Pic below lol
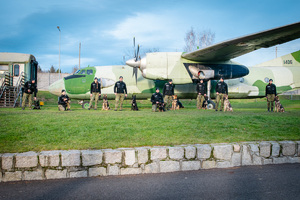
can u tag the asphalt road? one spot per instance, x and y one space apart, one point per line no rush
251 182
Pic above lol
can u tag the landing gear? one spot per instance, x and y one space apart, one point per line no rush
85 104
211 104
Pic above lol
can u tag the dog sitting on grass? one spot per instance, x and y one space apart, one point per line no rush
175 105
227 104
105 105
134 105
205 103
37 105
278 105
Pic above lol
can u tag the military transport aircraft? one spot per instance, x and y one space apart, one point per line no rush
285 71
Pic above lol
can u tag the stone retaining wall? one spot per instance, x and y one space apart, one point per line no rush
124 161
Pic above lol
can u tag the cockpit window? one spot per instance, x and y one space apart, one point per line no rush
77 71
82 72
89 72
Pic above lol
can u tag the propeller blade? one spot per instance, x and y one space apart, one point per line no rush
134 47
137 53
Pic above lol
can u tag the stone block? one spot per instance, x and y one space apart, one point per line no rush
112 156
129 157
203 151
56 174
280 160
223 152
97 171
169 166
236 148
126 171
12 176
78 174
265 149
151 168
208 164
257 160
298 151
113 170
158 153
288 148
223 164
142 155
70 158
176 153
275 149
254 148
190 152
191 165
33 175
91 157
267 161
293 160
246 156
49 158
26 160
236 159
7 161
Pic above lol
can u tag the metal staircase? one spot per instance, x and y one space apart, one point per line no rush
10 95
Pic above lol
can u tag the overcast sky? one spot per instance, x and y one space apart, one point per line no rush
106 28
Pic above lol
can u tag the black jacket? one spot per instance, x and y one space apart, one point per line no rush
168 89
201 88
221 87
30 86
271 89
157 97
95 87
61 100
120 88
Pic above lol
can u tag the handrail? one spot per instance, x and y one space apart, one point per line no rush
3 86
18 88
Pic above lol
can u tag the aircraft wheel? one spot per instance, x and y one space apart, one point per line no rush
85 104
211 105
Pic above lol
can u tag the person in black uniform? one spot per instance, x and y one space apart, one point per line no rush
156 99
221 90
201 93
120 91
95 93
271 94
29 89
64 101
168 92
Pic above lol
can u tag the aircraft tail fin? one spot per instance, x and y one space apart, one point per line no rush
289 60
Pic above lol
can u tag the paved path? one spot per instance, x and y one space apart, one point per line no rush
251 182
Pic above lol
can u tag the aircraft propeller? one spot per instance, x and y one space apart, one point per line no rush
135 62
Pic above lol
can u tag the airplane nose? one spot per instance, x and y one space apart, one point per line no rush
56 87
133 63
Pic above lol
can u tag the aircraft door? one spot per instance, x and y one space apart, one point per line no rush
17 71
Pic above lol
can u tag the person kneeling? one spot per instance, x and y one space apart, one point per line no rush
64 101
157 101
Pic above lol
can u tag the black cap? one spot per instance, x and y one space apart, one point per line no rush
270 80
201 79
222 78
157 88
63 91
120 77
170 80
95 78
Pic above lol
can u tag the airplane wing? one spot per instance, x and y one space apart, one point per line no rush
233 48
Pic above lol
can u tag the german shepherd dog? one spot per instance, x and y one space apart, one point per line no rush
105 105
134 105
161 107
278 105
227 104
175 105
36 105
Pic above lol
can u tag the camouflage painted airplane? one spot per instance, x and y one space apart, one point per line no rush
285 71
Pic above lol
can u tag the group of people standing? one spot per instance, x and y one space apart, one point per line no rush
157 99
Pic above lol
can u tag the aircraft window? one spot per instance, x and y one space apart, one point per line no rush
16 70
242 80
89 72
267 80
82 72
77 71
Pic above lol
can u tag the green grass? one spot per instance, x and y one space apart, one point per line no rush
49 129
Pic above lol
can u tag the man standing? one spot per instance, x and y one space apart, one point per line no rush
120 91
270 94
168 92
95 93
156 99
201 93
29 89
221 90
64 101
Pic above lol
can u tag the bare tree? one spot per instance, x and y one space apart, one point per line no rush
194 40
39 69
74 69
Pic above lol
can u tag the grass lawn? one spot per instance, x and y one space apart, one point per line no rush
49 129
